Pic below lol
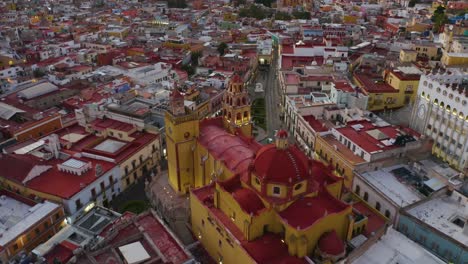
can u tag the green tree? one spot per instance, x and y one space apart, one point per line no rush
412 3
439 18
189 69
301 14
177 4
282 16
194 58
222 48
37 73
265 2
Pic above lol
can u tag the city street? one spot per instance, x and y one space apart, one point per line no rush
269 80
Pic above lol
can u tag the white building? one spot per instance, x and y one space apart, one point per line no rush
150 74
441 112
383 190
394 247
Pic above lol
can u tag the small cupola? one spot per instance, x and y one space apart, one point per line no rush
281 139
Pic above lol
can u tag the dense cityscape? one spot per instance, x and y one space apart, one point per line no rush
233 131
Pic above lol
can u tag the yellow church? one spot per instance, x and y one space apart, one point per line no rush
253 203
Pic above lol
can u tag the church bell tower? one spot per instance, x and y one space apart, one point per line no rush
236 107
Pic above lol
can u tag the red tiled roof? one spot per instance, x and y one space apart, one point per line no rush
288 62
247 198
16 167
59 252
315 124
235 151
270 249
304 212
331 244
343 86
285 166
101 124
373 85
368 142
374 221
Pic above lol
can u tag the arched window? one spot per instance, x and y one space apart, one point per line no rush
366 196
442 104
377 206
387 213
436 101
358 189
239 116
244 101
229 115
238 102
246 114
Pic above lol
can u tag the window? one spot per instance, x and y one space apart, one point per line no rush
15 247
358 189
37 231
387 213
57 216
257 181
78 204
366 196
276 190
46 225
298 186
459 222
93 193
377 206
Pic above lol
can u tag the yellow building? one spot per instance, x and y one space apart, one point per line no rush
332 152
408 55
182 131
252 203
430 51
406 81
395 90
454 59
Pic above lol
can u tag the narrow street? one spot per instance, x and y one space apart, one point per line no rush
269 80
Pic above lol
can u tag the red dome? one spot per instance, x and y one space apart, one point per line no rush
282 134
284 166
331 244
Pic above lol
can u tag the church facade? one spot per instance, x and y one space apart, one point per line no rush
253 203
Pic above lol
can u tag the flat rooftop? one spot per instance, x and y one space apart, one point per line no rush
110 146
394 247
18 214
447 214
396 190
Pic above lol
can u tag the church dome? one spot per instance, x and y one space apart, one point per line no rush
285 166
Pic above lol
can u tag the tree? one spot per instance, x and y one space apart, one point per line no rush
301 14
188 69
37 73
265 2
177 4
412 3
194 58
439 18
222 48
282 16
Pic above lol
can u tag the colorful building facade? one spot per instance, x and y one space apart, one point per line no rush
257 204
